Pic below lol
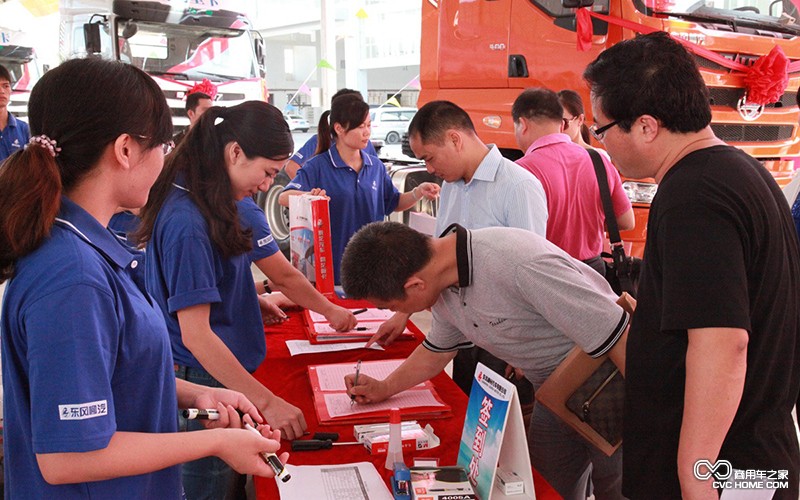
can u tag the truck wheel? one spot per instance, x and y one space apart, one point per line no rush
392 138
276 214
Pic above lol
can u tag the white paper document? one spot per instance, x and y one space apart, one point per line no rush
358 481
371 314
297 347
331 377
339 404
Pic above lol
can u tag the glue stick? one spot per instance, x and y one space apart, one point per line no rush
395 453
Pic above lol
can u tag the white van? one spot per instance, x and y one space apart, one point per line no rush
389 123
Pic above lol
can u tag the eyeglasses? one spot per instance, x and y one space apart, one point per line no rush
600 133
167 147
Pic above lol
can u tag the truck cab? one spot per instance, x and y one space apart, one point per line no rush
20 60
482 54
178 43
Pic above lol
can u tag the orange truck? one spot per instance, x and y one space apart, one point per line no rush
481 53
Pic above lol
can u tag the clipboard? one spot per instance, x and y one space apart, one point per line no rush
331 398
319 332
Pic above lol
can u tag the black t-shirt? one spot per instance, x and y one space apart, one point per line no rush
721 251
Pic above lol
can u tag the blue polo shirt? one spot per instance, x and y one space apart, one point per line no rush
252 217
14 137
184 268
306 152
85 347
356 198
124 224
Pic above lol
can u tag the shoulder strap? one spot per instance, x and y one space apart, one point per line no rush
605 195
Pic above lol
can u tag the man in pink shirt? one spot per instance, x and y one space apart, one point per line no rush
576 220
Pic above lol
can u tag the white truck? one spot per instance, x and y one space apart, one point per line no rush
177 42
19 58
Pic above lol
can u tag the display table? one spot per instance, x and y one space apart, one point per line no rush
287 377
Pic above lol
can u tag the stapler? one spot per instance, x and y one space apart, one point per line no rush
401 482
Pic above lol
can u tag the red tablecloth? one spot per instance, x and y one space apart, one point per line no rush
287 377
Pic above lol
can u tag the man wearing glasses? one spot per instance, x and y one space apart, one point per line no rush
713 354
565 169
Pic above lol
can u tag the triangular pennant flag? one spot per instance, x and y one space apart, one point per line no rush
414 83
324 64
361 14
304 89
393 101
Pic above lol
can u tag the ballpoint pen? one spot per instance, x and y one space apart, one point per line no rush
359 311
355 382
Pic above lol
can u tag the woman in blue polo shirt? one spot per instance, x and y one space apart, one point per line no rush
89 392
358 185
198 263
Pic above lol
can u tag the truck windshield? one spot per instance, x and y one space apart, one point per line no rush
775 15
184 52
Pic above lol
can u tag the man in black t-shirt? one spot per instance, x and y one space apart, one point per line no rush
713 355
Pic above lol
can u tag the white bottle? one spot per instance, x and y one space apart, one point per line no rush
395 451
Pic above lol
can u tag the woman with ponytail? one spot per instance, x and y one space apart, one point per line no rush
198 264
358 185
89 392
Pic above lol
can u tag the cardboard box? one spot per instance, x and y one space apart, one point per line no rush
509 482
413 439
438 483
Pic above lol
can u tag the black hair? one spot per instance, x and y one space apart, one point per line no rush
571 101
380 258
537 103
84 105
259 129
435 118
5 74
193 100
346 91
650 75
348 110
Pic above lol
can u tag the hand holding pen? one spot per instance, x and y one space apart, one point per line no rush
355 382
227 407
366 389
270 458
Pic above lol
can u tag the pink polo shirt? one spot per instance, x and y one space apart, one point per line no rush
575 219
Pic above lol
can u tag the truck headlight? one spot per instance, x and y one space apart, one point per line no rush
640 192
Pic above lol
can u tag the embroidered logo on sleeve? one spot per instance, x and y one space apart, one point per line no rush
266 240
83 411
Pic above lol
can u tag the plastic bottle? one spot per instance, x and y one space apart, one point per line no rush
395 453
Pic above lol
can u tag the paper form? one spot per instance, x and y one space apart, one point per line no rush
358 481
371 314
297 347
331 377
339 404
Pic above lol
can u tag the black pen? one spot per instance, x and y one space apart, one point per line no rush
208 414
361 329
272 460
355 382
359 311
195 414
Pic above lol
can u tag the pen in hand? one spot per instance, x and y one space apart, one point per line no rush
359 311
355 382
272 460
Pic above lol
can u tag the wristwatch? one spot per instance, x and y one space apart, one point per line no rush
267 289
